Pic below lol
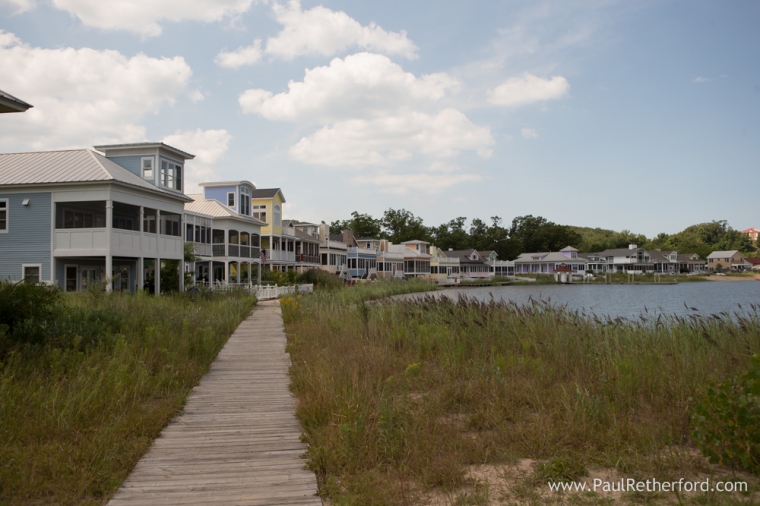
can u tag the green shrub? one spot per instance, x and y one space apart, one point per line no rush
320 279
26 309
727 421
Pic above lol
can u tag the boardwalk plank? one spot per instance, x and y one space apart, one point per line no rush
237 441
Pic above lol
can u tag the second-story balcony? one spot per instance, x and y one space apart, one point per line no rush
278 255
308 259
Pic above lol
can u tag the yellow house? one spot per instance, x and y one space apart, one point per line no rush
442 267
278 241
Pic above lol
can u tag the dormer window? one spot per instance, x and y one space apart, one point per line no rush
245 201
230 199
147 168
171 175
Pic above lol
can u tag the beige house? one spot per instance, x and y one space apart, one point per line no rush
443 268
730 260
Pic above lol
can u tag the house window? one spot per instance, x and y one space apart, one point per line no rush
170 224
245 201
126 216
171 175
230 199
31 273
149 220
3 216
277 216
80 214
260 212
147 168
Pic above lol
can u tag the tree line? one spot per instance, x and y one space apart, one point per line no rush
534 233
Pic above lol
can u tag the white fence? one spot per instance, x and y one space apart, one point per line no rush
275 292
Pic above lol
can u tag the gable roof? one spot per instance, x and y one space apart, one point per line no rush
487 253
750 230
463 255
306 237
617 252
9 103
267 193
753 261
723 254
71 166
216 209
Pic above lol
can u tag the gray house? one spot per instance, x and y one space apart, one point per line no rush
71 217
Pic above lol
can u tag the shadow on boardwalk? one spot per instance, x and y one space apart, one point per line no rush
237 441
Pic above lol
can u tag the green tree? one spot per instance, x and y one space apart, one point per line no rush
362 225
401 225
534 233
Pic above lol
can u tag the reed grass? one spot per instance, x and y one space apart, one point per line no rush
398 398
75 417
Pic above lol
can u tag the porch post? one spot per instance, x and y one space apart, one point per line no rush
226 272
109 233
109 272
258 273
181 268
140 270
157 277
237 272
211 274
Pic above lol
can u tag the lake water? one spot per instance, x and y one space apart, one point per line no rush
628 300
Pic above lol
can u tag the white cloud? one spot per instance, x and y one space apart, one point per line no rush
83 97
423 182
362 85
17 6
195 95
143 16
529 133
208 146
702 79
241 56
389 139
325 32
527 89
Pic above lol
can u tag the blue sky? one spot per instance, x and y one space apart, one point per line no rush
623 115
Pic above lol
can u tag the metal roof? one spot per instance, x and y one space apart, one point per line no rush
723 254
227 183
216 209
172 149
9 103
70 166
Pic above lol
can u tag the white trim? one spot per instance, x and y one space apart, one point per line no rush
7 216
24 266
76 278
227 203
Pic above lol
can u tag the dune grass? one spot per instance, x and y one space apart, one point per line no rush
398 398
76 414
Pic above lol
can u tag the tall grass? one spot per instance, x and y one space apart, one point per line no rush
399 397
77 414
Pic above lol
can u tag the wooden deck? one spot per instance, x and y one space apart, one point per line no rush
237 441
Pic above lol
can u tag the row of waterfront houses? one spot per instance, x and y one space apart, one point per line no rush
72 217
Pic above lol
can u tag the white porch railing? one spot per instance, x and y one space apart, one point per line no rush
262 292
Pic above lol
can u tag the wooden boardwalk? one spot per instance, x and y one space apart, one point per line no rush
237 441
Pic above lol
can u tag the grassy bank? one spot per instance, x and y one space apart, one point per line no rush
81 402
400 401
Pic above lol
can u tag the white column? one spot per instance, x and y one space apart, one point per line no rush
258 273
140 268
109 271
211 273
226 272
109 233
237 272
157 277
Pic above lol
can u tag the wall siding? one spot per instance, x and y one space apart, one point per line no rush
131 163
219 193
28 237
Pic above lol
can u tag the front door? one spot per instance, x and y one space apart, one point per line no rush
121 278
87 275
71 278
